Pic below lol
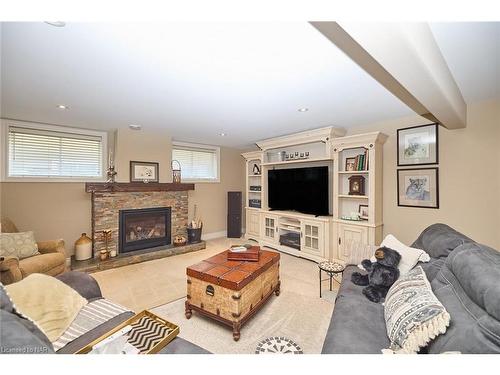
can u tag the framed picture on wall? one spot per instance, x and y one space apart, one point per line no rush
418 145
418 187
142 171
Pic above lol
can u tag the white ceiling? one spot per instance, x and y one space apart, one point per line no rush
472 52
196 80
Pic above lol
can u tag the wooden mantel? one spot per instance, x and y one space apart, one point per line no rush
103 187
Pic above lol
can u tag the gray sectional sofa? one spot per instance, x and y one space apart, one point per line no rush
20 336
465 277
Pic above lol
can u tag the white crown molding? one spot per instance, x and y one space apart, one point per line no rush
309 136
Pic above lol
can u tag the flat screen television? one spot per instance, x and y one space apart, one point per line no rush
299 189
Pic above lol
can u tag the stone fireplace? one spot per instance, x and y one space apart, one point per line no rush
144 228
140 216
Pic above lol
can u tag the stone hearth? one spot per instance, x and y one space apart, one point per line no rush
94 265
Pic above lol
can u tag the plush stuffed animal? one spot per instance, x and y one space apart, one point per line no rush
381 274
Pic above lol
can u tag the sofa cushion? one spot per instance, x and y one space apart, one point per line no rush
467 285
439 240
413 314
357 324
19 335
180 346
47 301
20 245
49 264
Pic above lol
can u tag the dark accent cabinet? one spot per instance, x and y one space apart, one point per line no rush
234 204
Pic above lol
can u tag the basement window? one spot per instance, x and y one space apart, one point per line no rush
199 163
53 153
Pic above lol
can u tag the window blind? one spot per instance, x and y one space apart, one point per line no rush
42 153
196 163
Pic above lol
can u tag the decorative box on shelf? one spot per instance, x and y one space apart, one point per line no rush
256 203
255 188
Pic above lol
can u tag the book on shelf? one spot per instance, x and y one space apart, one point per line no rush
361 162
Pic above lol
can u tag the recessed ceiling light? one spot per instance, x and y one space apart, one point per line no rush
303 109
62 106
135 127
222 134
56 23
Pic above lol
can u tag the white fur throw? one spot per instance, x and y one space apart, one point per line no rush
413 314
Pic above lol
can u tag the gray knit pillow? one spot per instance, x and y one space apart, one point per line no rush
413 314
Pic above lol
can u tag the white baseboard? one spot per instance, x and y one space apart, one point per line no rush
211 236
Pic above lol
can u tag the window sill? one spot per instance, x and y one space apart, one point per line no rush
195 181
44 179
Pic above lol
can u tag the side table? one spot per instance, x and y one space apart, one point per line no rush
331 268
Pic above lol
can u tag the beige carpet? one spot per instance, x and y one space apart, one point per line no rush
160 286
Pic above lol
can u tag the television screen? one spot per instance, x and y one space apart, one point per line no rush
299 189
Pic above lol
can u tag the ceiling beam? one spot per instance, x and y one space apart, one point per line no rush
405 59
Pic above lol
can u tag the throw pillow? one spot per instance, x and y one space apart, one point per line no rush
20 245
50 303
409 255
413 314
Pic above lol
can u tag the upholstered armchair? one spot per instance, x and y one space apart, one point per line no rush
51 260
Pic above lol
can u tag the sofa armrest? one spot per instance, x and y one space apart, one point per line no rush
84 284
9 270
55 246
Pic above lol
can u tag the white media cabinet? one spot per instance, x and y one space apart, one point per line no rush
321 237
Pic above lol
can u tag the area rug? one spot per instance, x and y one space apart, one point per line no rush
302 319
151 284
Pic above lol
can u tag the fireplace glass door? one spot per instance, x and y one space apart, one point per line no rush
144 228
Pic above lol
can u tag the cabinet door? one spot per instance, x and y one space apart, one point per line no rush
269 228
253 223
350 233
312 237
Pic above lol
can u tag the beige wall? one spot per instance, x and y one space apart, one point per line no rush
211 198
142 146
51 209
469 178
63 210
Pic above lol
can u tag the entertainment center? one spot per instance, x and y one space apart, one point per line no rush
304 192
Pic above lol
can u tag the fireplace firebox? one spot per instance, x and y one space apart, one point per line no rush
144 228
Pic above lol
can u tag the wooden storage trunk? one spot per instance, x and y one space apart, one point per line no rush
232 291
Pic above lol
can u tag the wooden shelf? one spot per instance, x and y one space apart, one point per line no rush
297 161
343 196
354 172
252 208
254 175
290 229
104 187
255 191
